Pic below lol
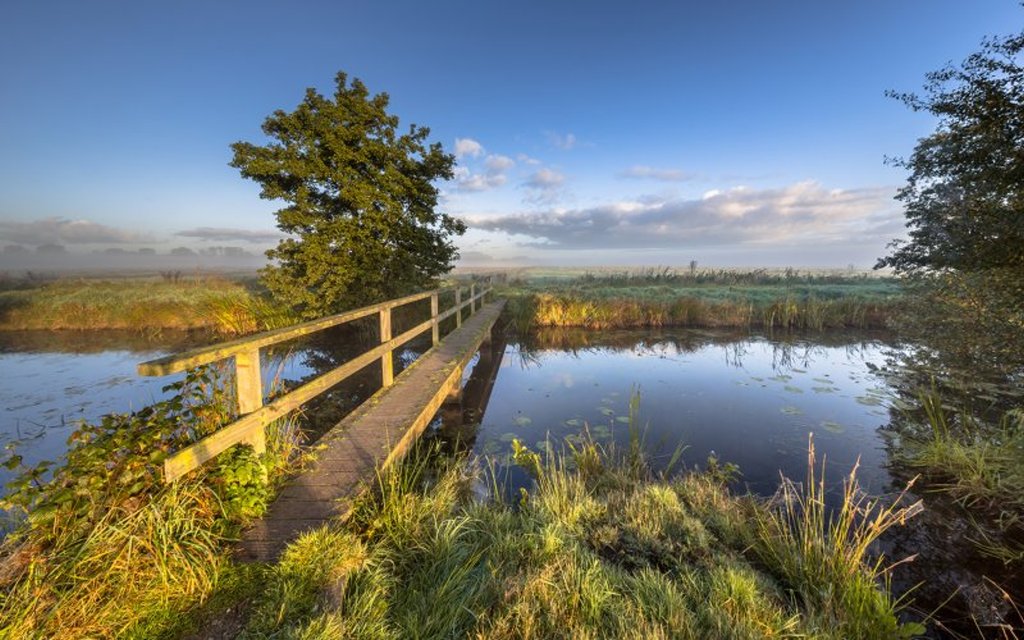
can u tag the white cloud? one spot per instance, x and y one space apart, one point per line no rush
545 179
665 175
499 163
480 181
565 142
493 176
468 147
525 159
802 214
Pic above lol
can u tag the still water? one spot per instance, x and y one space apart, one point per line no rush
750 400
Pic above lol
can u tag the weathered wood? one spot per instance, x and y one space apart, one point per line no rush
435 333
191 457
373 436
387 362
458 307
472 298
250 428
248 381
205 355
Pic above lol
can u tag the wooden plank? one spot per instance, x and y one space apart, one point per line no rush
373 436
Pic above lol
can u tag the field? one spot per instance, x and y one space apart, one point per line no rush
760 298
220 303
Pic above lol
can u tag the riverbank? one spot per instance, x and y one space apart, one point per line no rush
182 303
597 547
707 299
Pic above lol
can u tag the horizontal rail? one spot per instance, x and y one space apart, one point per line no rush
249 428
205 355
189 458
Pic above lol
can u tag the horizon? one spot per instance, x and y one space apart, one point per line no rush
732 135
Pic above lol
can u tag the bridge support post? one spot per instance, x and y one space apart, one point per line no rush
472 298
458 306
249 392
386 362
434 331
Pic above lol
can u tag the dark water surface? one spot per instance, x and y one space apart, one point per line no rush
749 400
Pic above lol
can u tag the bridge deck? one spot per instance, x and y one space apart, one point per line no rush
376 433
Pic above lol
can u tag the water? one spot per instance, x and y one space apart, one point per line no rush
751 401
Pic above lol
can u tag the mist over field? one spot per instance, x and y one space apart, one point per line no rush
17 264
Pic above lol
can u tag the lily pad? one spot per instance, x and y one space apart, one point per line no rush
574 422
508 437
790 410
870 401
832 427
606 411
781 378
823 380
824 389
790 388
622 419
523 421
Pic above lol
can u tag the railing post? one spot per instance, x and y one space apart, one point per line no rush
458 306
472 298
249 391
386 363
434 331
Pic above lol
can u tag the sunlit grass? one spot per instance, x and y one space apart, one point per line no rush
597 548
210 303
703 299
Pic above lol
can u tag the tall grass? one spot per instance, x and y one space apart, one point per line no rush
205 302
823 556
703 299
598 547
980 465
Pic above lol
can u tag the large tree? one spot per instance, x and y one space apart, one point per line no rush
964 198
361 200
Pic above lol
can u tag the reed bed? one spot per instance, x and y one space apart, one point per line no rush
659 298
206 303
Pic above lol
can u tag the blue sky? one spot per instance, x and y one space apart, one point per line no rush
735 133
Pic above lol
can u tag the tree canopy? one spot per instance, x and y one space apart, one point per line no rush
361 201
964 198
964 202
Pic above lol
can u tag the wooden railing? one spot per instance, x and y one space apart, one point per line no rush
249 428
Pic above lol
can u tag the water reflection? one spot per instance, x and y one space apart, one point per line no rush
749 400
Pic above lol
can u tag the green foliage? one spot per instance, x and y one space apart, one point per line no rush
117 459
964 203
141 304
360 200
105 547
980 465
965 194
243 483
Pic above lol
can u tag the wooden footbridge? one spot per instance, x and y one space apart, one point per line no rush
375 434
